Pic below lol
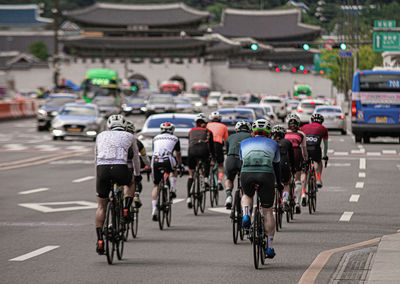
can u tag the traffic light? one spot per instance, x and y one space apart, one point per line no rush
343 46
254 46
294 70
277 69
306 46
301 67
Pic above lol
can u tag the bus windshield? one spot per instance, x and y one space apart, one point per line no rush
380 83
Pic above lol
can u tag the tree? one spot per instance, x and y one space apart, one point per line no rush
39 49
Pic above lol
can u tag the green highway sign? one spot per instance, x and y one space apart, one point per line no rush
384 23
386 41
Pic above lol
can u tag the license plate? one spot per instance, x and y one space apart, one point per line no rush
381 119
73 129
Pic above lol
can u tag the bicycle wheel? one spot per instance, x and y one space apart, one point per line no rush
168 207
255 238
202 195
314 194
276 209
261 241
235 221
108 231
120 233
212 188
292 202
280 209
309 193
134 221
216 192
240 213
160 205
195 193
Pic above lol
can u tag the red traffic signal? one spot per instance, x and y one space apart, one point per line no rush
294 70
277 69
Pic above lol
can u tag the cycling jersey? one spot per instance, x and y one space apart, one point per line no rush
219 131
233 143
298 140
163 147
201 145
315 132
287 158
258 154
142 151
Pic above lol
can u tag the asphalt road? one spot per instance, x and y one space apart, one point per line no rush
195 249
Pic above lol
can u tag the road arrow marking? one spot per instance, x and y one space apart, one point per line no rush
46 207
33 190
346 216
34 253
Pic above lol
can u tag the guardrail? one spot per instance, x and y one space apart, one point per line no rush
17 108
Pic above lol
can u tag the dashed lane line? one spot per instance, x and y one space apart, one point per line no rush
362 175
34 253
52 207
374 153
83 179
33 190
363 163
346 216
177 200
220 210
361 151
389 152
360 184
354 198
341 153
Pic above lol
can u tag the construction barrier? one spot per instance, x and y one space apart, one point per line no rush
17 108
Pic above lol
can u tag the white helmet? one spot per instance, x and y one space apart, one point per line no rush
167 127
130 127
243 125
215 116
200 116
116 122
262 125
293 118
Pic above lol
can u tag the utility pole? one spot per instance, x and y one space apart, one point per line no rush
56 12
356 59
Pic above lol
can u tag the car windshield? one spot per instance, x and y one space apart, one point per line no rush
137 100
179 122
181 101
276 101
194 99
257 110
310 105
104 101
268 109
232 99
78 111
161 100
328 110
59 101
238 114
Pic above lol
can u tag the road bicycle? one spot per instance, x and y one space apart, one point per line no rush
164 201
198 192
214 193
278 208
237 215
311 187
291 202
133 220
114 227
257 234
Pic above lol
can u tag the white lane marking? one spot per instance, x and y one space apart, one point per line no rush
346 216
15 147
389 152
330 151
47 147
72 162
362 175
34 253
341 153
363 163
33 190
177 200
354 198
220 210
361 151
341 140
360 146
373 153
46 207
360 184
83 179
338 165
78 148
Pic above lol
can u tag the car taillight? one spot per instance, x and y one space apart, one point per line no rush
299 110
353 109
342 116
282 107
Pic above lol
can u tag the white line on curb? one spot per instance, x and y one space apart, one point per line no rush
361 151
83 179
374 153
34 253
363 164
354 198
362 175
346 216
360 184
33 190
341 153
389 152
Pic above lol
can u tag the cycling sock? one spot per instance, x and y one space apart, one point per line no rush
128 202
154 204
228 192
270 239
246 210
99 232
318 176
220 177
189 186
303 191
173 183
297 191
285 195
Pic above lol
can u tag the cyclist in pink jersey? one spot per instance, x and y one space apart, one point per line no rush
298 140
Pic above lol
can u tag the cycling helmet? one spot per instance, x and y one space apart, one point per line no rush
317 117
261 125
293 119
215 116
130 127
243 125
167 127
279 131
116 122
199 117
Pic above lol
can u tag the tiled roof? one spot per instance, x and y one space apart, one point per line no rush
21 15
105 14
265 25
21 41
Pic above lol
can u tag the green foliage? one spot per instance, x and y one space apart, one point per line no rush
39 49
368 58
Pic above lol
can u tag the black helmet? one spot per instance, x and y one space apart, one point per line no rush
318 118
278 131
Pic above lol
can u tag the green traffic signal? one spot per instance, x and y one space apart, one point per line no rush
254 46
343 46
301 67
306 46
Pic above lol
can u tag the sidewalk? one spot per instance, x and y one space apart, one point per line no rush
386 264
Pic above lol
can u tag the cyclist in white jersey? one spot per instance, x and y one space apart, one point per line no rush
164 145
111 154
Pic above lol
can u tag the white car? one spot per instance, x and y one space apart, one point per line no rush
228 100
278 104
196 101
213 98
306 108
334 118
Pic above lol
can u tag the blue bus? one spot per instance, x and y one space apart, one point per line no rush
375 109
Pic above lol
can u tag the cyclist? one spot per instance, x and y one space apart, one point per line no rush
232 163
315 132
286 149
298 139
260 158
111 155
164 145
200 148
144 160
220 135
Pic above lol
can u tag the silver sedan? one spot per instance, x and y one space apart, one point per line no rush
334 118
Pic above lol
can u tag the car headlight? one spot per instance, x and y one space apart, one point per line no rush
54 113
57 124
91 133
42 112
144 109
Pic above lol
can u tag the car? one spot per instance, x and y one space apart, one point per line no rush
278 104
197 102
306 108
334 118
261 113
134 105
249 99
228 100
107 105
230 116
183 104
50 109
78 120
291 105
270 113
183 124
160 103
213 98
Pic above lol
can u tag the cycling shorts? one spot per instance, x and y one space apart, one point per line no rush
219 152
232 167
298 159
198 152
107 175
266 182
285 171
315 153
159 164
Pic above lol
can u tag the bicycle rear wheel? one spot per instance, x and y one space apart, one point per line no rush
235 220
134 221
276 209
280 208
108 231
212 188
195 194
160 205
168 207
314 195
202 195
255 238
309 194
261 241
120 232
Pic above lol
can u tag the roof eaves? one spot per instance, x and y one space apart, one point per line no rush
81 11
260 12
19 7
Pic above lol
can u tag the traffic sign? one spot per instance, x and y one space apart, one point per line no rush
345 54
386 41
384 24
